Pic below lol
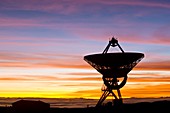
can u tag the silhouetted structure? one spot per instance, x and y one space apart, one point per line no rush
142 107
24 106
114 67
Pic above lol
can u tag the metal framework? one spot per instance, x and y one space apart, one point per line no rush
114 76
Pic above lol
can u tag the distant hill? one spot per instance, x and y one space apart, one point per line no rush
140 107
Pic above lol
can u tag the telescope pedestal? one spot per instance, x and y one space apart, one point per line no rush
109 85
106 93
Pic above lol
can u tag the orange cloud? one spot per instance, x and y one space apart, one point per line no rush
159 90
64 61
95 93
97 79
83 85
84 74
147 91
150 79
31 78
13 79
14 64
160 65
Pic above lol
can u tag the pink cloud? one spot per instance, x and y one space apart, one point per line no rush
162 35
14 41
74 6
102 33
136 3
40 60
13 22
124 37
58 6
33 22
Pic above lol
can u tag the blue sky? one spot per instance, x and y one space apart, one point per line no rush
43 42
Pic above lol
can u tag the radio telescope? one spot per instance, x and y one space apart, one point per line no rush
114 68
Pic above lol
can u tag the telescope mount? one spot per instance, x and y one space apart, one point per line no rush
114 68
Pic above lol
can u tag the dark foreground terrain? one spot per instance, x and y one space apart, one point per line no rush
143 107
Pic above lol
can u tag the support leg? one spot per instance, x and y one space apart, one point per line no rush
102 98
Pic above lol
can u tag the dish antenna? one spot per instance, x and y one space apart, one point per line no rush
114 68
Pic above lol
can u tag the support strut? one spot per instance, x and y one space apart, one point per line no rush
111 84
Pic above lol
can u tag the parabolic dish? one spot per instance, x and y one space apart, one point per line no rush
117 64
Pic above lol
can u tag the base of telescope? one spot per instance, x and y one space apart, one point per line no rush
107 92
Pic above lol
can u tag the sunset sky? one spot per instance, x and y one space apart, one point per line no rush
43 42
